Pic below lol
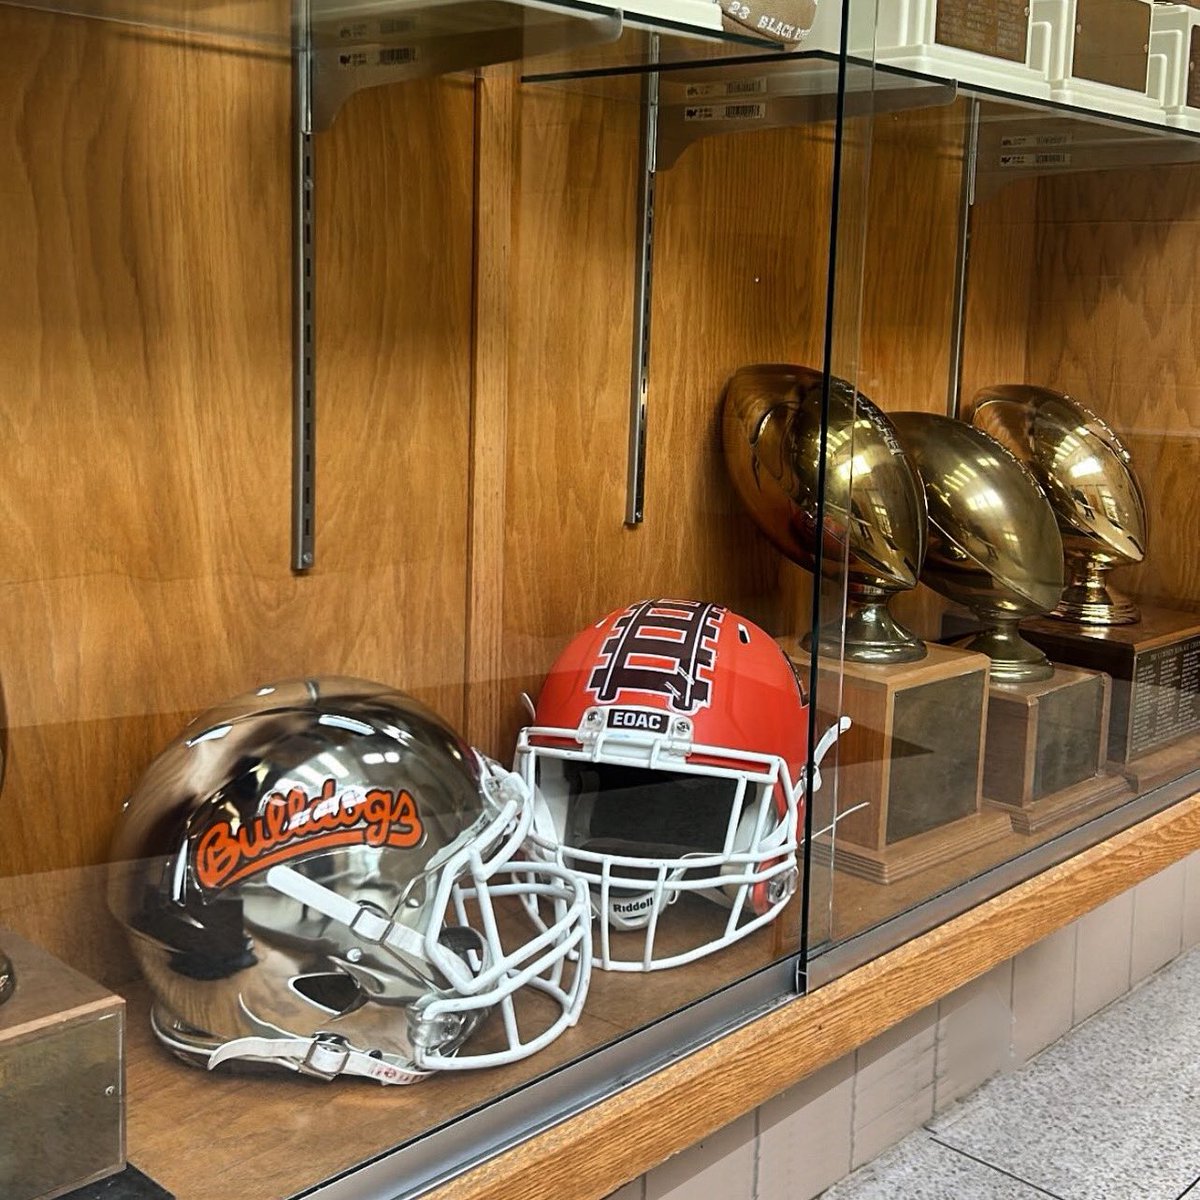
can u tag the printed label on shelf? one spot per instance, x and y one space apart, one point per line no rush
1035 160
1035 139
389 56
725 112
360 31
732 87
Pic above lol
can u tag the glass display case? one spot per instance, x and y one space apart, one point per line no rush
539 531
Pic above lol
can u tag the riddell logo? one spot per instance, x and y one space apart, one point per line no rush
298 823
631 908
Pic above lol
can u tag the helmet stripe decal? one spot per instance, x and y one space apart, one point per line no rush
662 647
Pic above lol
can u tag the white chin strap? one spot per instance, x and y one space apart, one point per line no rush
321 1057
325 1056
365 923
830 736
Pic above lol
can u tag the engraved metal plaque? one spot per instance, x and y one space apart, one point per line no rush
1193 80
1164 700
1155 668
1112 43
999 29
936 735
1068 737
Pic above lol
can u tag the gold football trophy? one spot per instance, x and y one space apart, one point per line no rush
1087 474
874 522
994 545
910 766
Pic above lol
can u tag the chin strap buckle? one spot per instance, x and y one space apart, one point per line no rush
322 1056
327 1057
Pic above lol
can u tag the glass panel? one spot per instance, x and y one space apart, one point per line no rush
1026 251
318 877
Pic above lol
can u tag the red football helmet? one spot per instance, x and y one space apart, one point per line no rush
667 757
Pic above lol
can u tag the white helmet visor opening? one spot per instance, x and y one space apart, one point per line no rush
716 844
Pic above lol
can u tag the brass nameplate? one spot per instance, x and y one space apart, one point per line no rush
1112 43
999 29
1164 702
1193 86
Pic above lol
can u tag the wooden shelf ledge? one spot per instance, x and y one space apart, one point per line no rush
592 1154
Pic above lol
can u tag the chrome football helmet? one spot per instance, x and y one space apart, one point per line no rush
325 877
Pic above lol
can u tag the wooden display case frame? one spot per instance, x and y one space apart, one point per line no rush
713 1085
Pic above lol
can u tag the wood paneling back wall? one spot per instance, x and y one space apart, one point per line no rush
145 382
475 262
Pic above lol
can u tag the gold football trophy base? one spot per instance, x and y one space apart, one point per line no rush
1046 750
1013 659
8 979
910 767
1088 600
1155 668
870 635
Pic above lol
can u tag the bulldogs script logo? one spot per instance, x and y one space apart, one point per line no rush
298 823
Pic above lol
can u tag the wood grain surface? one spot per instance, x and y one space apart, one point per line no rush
727 290
999 291
145 375
495 131
1113 319
474 292
908 289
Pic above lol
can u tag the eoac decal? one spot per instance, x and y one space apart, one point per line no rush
665 648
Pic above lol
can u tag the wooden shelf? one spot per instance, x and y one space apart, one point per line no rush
673 1109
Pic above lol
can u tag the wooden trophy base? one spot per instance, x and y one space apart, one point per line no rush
1047 743
918 853
61 1078
1155 668
1161 766
910 766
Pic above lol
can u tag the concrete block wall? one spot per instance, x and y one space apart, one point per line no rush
805 1140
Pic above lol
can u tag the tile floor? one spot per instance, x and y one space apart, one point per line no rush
1109 1112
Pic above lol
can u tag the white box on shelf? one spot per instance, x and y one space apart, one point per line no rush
1175 36
701 15
1101 58
999 45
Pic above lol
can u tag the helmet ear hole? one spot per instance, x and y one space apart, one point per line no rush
467 944
330 991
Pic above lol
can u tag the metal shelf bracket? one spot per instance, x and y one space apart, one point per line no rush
303 303
639 375
966 206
